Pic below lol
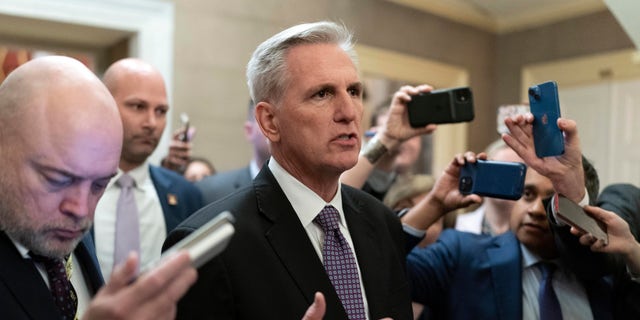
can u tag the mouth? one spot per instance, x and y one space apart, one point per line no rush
68 234
534 227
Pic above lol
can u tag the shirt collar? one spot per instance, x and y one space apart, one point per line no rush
140 175
306 203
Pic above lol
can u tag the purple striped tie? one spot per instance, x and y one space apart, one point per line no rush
340 264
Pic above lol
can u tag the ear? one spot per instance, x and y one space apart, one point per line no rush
268 121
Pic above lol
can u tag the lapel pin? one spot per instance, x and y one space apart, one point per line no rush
172 199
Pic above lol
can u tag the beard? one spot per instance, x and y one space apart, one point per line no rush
40 239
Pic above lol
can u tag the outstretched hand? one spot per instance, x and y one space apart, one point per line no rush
445 195
564 171
397 128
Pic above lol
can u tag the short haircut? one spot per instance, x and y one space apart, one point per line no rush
267 69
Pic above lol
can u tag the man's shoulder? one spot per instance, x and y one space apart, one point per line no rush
225 176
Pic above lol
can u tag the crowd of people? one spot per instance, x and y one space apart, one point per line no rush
328 224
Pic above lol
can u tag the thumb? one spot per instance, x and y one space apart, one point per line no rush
317 309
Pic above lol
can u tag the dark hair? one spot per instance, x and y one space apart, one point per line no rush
591 180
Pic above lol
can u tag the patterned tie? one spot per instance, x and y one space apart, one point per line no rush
61 289
547 299
340 263
127 237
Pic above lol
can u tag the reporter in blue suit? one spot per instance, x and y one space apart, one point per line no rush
465 275
163 198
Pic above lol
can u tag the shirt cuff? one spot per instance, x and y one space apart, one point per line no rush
413 231
633 276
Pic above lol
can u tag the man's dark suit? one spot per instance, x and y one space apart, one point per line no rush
23 292
221 184
270 270
469 276
178 197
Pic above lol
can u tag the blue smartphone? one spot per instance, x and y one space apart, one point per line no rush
545 107
495 179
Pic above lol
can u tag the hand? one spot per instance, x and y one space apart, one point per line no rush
152 296
316 309
565 171
179 151
621 240
445 195
397 128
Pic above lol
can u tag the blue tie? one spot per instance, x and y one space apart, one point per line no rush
340 264
547 298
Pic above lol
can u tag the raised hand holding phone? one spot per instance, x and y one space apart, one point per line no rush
545 107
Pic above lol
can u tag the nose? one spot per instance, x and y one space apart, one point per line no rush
348 108
150 121
76 202
537 209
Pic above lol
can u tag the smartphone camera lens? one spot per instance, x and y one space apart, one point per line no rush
465 184
463 96
534 92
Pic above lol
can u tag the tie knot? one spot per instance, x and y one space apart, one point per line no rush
47 261
125 181
328 218
547 269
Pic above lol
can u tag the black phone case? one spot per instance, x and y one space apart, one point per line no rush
441 106
495 179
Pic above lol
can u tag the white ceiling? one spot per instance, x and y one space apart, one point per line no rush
503 16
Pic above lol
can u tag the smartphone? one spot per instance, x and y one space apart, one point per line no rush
572 214
184 136
495 179
205 242
545 107
441 106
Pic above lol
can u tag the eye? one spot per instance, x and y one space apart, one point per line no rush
323 93
355 92
528 195
59 182
161 111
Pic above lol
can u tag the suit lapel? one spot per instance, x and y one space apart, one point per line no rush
506 276
163 185
85 253
25 283
292 246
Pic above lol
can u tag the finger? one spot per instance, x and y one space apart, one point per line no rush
123 274
175 268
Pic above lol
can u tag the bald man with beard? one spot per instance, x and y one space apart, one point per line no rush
60 142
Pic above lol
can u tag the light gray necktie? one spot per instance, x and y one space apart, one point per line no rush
127 237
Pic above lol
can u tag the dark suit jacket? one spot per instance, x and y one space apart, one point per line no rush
469 276
23 292
221 184
623 199
270 269
172 186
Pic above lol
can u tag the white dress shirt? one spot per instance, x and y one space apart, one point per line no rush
153 230
307 205
572 296
77 279
471 221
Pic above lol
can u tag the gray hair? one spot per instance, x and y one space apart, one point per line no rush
266 71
